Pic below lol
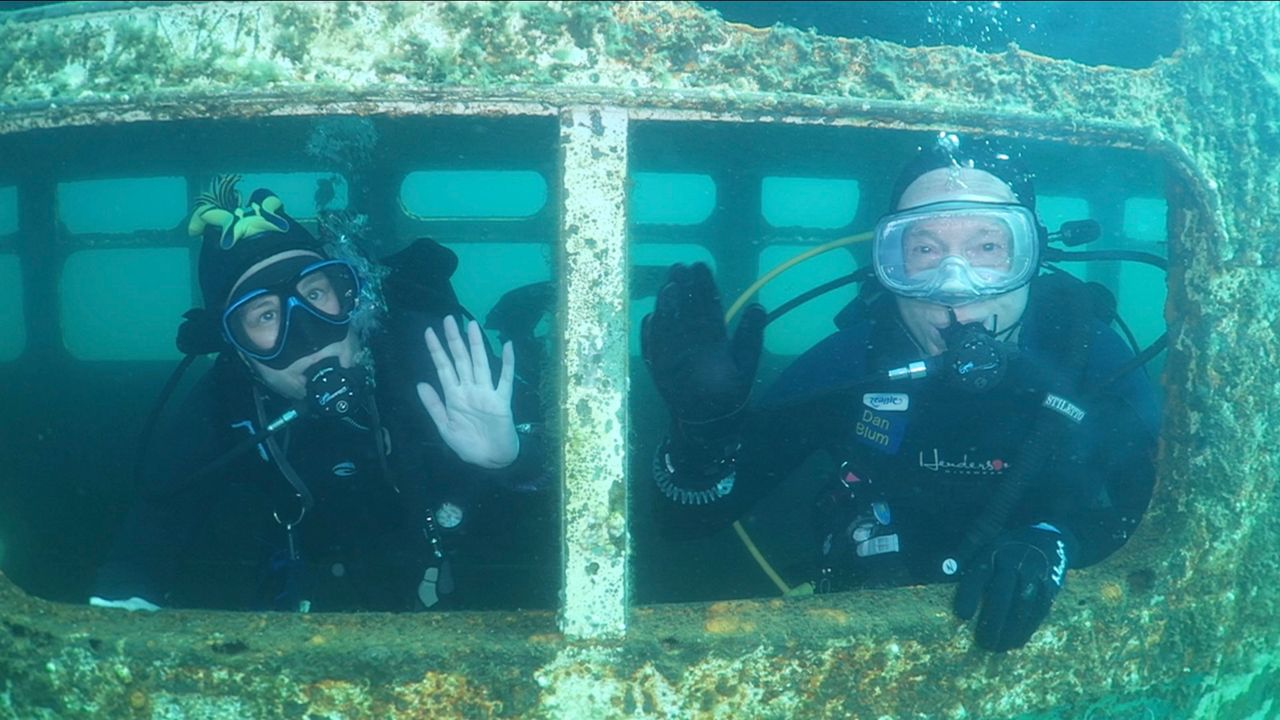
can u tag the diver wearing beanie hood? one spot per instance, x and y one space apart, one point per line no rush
277 296
365 487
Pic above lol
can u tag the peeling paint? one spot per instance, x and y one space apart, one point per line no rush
594 308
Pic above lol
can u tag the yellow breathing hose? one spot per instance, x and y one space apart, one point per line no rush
738 304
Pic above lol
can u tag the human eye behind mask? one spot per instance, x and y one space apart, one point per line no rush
257 322
283 321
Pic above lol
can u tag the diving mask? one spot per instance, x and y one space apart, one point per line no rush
292 309
956 252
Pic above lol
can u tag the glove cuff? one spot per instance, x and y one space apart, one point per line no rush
1068 538
1054 545
693 480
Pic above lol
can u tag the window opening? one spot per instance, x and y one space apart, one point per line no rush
445 194
13 323
8 210
671 198
121 304
122 205
820 203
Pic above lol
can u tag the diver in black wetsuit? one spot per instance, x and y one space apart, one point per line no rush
353 453
970 405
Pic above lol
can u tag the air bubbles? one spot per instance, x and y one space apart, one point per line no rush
949 143
984 26
347 143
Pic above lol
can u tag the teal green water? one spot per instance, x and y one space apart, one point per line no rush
1121 34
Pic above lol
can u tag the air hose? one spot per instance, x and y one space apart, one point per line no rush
738 304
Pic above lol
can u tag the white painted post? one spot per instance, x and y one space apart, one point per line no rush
593 313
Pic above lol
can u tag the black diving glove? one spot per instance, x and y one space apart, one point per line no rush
1015 579
704 377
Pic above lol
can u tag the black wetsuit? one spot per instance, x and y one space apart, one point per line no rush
362 543
914 463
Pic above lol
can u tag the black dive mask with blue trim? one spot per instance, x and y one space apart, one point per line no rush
291 309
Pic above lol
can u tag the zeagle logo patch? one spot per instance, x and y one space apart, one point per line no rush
891 402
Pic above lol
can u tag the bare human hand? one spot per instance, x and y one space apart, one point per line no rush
473 416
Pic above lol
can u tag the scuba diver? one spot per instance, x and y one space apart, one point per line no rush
352 436
985 426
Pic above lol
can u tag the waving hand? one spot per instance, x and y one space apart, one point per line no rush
473 416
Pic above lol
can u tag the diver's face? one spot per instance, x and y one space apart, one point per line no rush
261 320
980 242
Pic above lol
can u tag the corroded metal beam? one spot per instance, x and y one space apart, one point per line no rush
863 655
211 58
593 279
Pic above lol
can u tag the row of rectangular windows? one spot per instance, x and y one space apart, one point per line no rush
101 323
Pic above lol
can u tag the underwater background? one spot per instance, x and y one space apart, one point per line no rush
87 322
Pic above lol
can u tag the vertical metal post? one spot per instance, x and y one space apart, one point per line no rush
593 312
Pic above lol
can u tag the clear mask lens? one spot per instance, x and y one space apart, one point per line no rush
956 252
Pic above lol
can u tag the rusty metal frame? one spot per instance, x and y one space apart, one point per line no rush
1184 624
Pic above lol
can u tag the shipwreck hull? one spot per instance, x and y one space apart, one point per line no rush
1181 623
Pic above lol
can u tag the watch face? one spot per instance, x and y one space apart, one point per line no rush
448 515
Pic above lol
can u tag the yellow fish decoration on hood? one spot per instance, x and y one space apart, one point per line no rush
220 206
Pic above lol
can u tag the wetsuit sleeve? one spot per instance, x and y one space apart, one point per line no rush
1103 481
702 489
169 508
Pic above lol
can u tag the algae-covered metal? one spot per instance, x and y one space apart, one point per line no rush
1180 623
594 240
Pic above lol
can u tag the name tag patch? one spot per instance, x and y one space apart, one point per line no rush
880 431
